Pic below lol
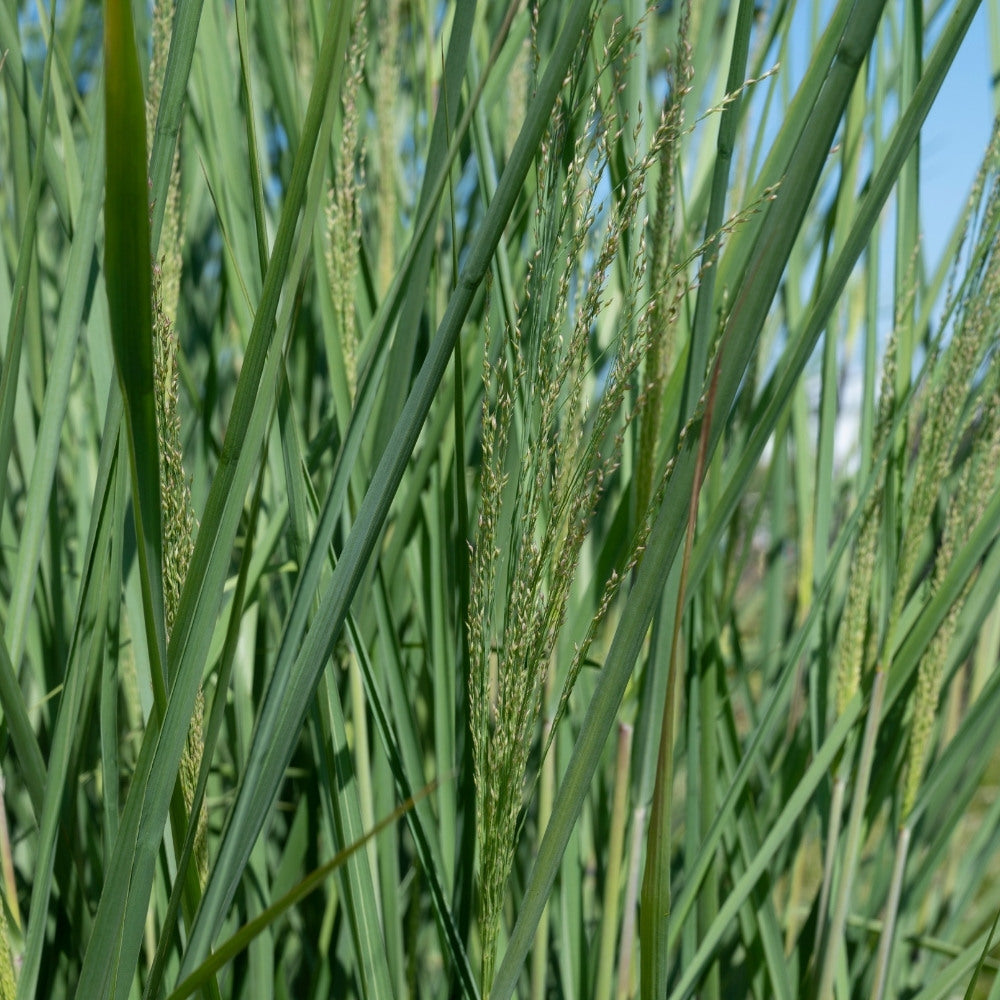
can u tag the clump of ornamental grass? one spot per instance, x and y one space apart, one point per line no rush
343 208
975 485
945 420
557 431
944 417
949 422
949 426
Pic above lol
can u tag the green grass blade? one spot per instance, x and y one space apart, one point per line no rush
226 951
128 280
400 365
796 802
59 775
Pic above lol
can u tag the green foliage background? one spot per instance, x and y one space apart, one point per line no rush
427 570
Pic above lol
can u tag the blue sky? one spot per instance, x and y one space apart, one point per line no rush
956 131
955 135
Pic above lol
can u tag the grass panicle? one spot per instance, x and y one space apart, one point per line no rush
343 209
387 84
970 348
